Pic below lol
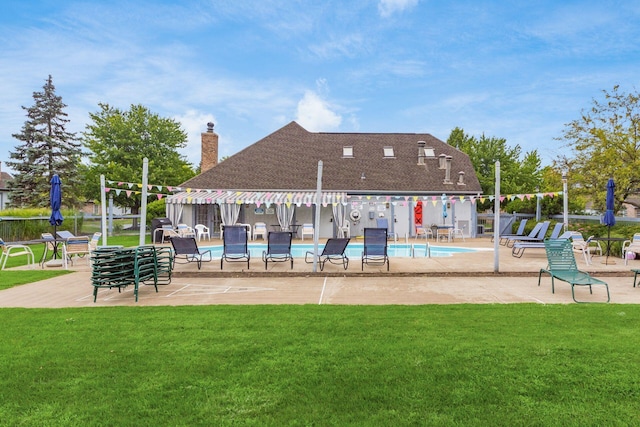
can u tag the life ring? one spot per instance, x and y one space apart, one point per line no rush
354 215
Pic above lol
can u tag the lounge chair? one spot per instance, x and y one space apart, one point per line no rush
308 230
585 246
95 239
562 266
235 247
185 231
278 248
504 239
64 234
537 234
384 223
375 247
187 247
333 251
10 250
519 247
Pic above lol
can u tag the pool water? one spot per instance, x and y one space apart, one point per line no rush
354 250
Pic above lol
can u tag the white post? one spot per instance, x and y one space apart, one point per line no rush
565 200
143 204
316 227
496 222
103 209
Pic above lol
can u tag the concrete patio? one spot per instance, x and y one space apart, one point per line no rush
461 278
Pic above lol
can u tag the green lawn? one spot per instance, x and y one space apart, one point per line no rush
470 365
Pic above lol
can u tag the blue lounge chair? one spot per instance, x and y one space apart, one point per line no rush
235 248
333 252
504 239
536 235
375 247
278 248
520 246
384 223
187 247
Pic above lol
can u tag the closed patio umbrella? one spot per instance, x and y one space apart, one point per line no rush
55 200
609 218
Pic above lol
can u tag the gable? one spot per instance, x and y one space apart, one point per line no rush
288 160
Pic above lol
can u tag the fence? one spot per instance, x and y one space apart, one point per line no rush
14 229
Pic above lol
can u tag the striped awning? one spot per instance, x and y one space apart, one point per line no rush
258 198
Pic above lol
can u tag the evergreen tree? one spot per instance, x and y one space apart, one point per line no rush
47 149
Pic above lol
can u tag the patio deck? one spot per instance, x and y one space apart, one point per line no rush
461 278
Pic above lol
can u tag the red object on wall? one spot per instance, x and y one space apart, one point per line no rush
417 213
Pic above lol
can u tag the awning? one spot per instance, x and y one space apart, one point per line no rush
257 198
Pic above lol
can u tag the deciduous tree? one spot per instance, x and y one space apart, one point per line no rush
605 142
118 141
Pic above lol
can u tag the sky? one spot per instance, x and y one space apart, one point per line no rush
517 70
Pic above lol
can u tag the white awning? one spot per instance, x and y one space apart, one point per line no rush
258 198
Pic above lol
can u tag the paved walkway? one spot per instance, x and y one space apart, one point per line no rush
461 278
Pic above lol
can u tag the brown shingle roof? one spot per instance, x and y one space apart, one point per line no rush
288 159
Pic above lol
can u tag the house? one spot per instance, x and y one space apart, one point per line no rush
4 188
365 176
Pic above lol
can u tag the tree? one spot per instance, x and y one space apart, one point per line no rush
47 149
605 142
517 176
118 141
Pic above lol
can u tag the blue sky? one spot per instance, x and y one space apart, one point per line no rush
518 70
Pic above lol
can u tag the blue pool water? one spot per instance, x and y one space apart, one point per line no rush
354 250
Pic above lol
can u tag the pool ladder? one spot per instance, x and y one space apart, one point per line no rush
427 249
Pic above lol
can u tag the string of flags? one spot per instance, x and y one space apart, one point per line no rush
210 196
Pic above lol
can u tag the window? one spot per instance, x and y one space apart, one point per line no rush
347 151
388 153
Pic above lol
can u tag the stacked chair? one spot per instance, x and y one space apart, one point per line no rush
119 268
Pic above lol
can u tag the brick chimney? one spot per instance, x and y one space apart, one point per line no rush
209 149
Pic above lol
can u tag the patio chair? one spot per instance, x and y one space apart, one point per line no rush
384 223
632 245
187 247
333 252
278 248
425 232
10 250
64 234
185 231
260 229
235 247
345 230
202 231
585 246
538 234
504 239
562 266
93 243
308 230
375 247
77 246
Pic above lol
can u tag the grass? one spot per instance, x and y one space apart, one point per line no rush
471 365
10 278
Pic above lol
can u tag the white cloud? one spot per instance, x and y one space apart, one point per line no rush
315 114
387 8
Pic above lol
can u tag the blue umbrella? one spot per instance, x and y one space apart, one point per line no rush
609 218
55 199
444 208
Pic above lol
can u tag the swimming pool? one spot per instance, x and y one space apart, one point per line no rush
354 250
